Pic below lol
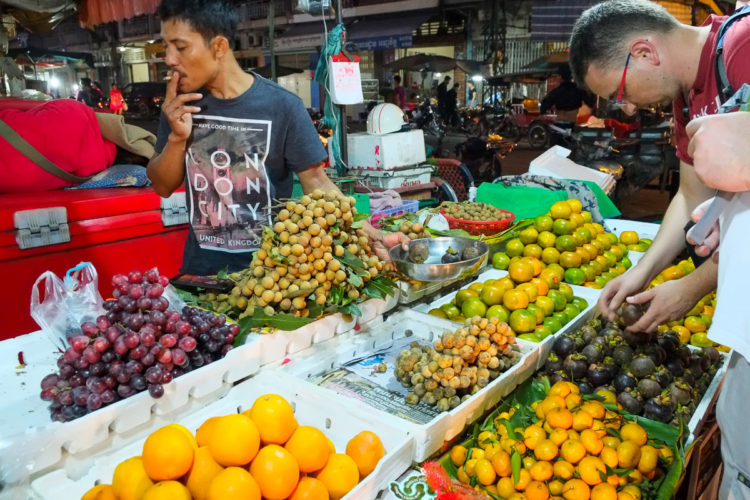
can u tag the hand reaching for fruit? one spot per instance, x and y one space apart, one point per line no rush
382 242
711 244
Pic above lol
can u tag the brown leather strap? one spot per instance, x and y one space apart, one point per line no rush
26 149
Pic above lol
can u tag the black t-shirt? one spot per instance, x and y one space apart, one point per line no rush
566 97
240 158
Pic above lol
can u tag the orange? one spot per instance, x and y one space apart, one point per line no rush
609 457
695 324
560 210
167 454
310 488
576 489
633 432
559 436
524 478
130 480
166 490
235 440
541 286
515 299
100 492
532 435
633 490
532 250
189 435
276 472
366 449
582 420
564 470
505 487
201 474
555 487
573 451
594 408
541 471
501 463
339 475
589 469
560 418
648 461
233 483
629 237
549 403
484 472
570 259
604 491
521 271
572 401
611 441
205 431
522 321
561 388
537 264
458 455
536 491
309 446
591 441
274 417
545 450
575 205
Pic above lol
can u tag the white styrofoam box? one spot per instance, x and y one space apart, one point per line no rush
555 163
388 151
25 418
397 178
644 229
313 406
429 437
373 308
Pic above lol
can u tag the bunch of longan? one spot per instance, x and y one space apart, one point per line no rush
414 230
298 258
458 364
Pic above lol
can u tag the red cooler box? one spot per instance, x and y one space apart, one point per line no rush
117 229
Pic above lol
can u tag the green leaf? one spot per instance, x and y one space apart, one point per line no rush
282 321
660 431
361 217
314 308
223 274
355 280
515 465
350 308
611 406
277 258
351 261
186 296
511 430
301 292
379 287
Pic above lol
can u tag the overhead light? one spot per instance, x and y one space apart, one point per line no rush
75 87
438 75
121 49
476 78
151 41
54 82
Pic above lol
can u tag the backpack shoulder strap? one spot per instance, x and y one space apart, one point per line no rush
725 87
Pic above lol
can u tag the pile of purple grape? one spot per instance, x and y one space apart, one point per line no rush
138 344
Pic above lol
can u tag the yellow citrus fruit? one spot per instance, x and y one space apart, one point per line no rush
559 436
458 455
167 490
573 451
591 441
167 454
628 454
484 472
274 417
629 237
649 458
575 205
233 483
589 469
546 450
205 431
235 440
501 463
309 446
276 472
339 475
541 471
201 474
603 491
100 492
366 449
609 456
560 418
576 489
505 487
560 210
562 469
189 435
521 271
536 490
130 480
633 432
633 490
310 488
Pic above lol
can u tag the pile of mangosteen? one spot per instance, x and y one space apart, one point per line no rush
653 375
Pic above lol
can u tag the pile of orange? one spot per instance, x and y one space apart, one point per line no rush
565 239
260 453
534 308
571 452
633 242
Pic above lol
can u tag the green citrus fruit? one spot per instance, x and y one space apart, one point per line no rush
500 260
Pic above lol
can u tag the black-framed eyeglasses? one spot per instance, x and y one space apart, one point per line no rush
621 90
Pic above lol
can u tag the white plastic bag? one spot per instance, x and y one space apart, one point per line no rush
66 303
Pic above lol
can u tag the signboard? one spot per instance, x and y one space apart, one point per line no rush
299 42
381 43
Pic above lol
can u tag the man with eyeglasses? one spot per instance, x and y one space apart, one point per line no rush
637 54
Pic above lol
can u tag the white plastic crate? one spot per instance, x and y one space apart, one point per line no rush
445 426
396 178
312 405
41 443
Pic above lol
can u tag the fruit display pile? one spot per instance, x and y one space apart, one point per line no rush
414 230
568 241
458 364
311 255
261 453
535 308
139 344
480 212
563 446
656 376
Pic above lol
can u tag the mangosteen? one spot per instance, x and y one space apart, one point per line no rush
663 376
675 366
712 353
418 252
610 366
587 333
668 341
630 313
602 343
622 354
563 346
657 354
558 377
648 388
580 344
598 374
642 366
624 381
553 363
680 392
688 377
594 323
611 331
630 403
450 256
585 387
681 414
593 353
696 366
704 360
659 409
575 365
683 353
470 253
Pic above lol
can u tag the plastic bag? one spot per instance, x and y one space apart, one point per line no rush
66 303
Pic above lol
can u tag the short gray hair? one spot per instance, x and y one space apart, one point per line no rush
601 32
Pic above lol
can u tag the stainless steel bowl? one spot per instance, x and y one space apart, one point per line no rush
433 269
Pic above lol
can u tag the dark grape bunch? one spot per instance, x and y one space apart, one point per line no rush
138 344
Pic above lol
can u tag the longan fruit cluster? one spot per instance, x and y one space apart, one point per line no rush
297 258
414 230
458 364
